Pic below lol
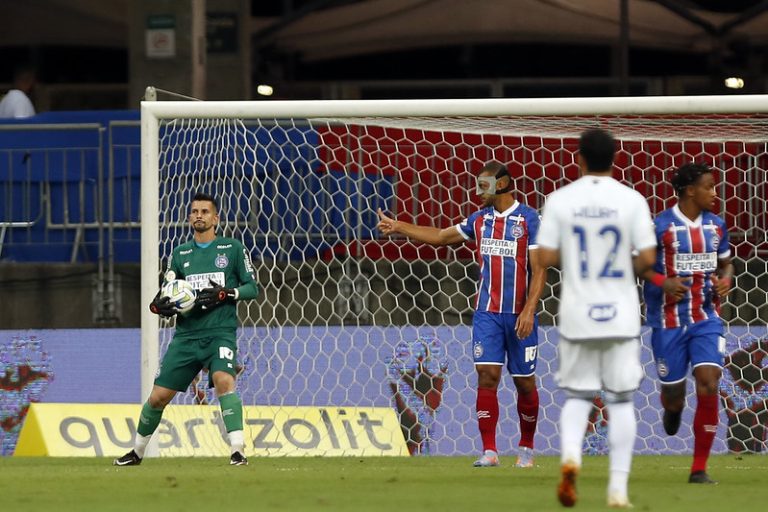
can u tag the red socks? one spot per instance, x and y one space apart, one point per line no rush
487 416
528 411
704 429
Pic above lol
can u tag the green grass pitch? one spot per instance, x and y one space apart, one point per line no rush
429 484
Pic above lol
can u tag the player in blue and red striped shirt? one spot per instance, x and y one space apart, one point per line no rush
693 271
504 326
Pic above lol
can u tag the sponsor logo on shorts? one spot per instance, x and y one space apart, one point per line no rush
477 350
221 261
661 368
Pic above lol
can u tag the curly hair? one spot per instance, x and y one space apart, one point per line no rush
688 174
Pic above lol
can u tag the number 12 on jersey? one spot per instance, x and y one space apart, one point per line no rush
608 270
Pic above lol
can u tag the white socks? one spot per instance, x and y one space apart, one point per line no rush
236 441
140 444
622 429
573 425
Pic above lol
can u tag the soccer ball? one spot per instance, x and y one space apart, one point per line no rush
181 293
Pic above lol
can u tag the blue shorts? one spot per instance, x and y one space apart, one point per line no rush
674 350
494 341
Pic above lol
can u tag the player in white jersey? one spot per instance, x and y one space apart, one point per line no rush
590 228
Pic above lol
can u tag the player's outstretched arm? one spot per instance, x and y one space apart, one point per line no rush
433 236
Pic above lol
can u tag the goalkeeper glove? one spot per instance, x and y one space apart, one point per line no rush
209 298
162 306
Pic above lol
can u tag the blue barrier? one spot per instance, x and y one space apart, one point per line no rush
53 179
64 185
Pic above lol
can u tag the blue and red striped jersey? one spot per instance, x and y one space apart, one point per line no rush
688 249
503 240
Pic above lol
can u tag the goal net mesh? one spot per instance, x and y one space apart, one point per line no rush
348 318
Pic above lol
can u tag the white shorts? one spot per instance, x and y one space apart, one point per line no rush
599 365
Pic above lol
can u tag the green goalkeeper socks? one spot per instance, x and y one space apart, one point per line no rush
231 411
149 420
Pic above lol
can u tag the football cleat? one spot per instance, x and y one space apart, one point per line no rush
238 459
700 477
524 457
566 489
129 459
616 500
671 421
489 459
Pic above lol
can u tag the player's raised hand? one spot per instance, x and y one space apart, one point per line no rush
722 285
386 225
677 287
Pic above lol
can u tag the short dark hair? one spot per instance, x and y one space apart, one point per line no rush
597 147
495 168
688 174
202 196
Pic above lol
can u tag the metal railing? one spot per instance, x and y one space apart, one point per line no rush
61 192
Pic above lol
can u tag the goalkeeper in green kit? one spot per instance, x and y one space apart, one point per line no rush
220 270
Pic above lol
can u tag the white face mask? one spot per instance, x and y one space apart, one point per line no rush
485 185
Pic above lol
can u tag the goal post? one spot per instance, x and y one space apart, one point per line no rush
345 317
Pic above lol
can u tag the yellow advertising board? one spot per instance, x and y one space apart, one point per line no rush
97 430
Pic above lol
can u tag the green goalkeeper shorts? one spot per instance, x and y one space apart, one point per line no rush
186 357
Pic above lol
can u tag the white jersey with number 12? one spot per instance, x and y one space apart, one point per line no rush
596 223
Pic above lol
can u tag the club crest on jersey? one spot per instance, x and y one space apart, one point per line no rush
221 261
715 242
477 350
517 231
661 368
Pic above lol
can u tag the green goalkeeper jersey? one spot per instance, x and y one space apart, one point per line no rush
225 262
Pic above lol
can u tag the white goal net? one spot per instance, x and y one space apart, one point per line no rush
347 318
